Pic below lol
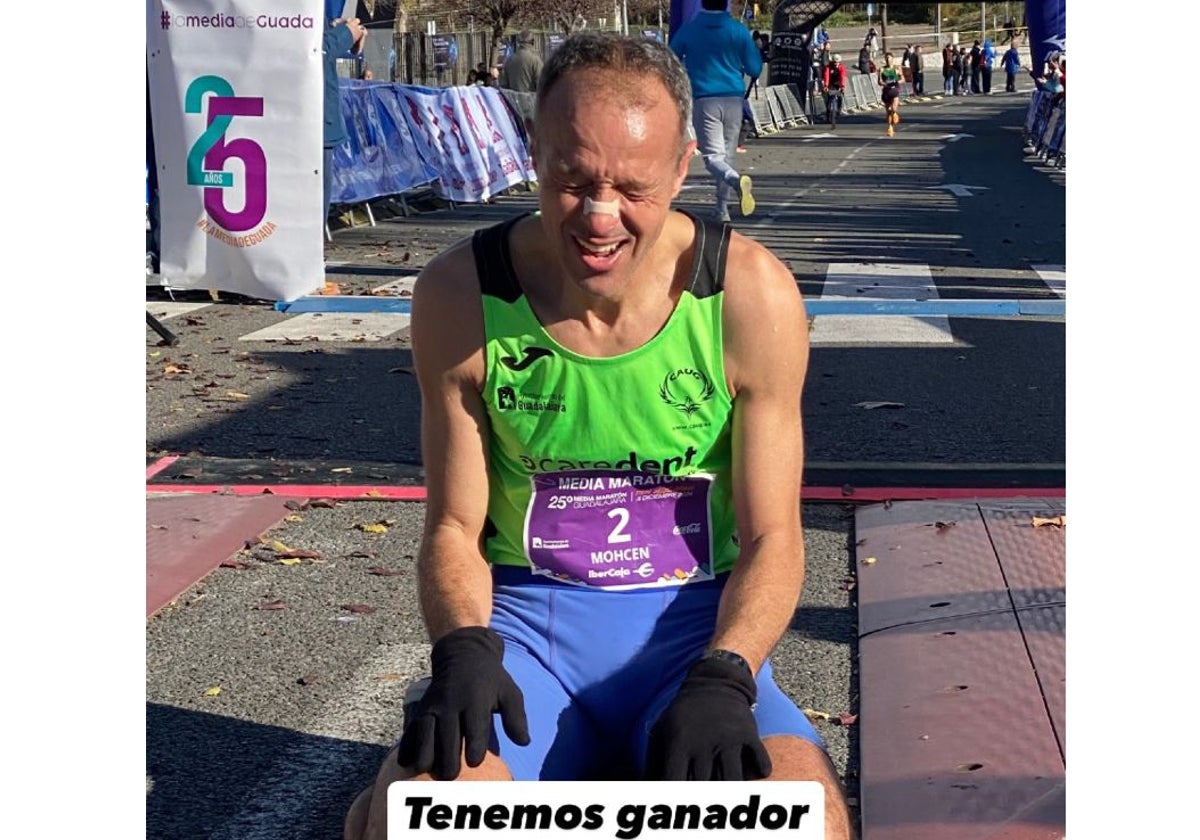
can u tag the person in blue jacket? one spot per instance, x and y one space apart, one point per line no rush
1011 63
340 36
989 59
719 53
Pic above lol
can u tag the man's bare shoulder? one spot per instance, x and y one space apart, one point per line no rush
447 318
756 281
766 330
449 277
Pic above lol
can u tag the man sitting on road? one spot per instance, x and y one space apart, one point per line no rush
675 529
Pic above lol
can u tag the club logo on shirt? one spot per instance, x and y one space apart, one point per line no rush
686 389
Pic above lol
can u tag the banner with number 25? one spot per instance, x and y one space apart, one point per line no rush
236 96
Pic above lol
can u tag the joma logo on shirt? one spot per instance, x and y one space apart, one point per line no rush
528 357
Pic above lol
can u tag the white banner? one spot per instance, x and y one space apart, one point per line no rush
237 95
468 135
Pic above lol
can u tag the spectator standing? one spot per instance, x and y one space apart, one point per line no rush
864 59
963 68
522 68
916 67
989 58
719 53
1054 79
1011 63
976 67
949 77
824 57
340 36
872 42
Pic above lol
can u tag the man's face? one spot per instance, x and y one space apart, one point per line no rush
608 138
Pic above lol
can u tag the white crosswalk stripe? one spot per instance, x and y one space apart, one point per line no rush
879 281
163 309
844 281
333 326
1054 276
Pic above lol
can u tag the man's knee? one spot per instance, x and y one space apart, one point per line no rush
367 817
797 759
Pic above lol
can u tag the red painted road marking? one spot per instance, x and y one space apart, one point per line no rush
417 493
160 465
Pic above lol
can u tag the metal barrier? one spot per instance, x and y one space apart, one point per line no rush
1046 128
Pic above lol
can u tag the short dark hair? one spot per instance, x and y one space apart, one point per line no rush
631 56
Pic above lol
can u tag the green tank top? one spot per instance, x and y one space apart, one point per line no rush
889 75
608 472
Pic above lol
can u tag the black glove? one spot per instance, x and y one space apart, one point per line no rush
469 683
708 732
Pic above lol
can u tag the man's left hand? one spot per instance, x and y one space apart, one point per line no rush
708 732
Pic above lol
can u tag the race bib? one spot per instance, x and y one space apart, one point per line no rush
616 530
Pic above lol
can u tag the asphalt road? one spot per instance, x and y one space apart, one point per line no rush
311 693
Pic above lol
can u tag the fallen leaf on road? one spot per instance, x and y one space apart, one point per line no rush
873 404
391 676
309 679
292 504
943 526
234 564
213 692
272 605
1056 521
289 561
374 528
300 554
173 368
293 517
870 561
278 547
342 469
813 714
237 395
358 608
322 503
383 571
845 719
373 493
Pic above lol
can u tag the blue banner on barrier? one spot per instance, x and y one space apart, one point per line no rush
463 141
378 157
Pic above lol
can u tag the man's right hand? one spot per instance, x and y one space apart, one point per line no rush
469 683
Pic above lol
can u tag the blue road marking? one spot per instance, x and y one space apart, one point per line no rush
978 308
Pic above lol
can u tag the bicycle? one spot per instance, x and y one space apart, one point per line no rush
833 104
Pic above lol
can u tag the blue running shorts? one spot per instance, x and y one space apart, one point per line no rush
597 669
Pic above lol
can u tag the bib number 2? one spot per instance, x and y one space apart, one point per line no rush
619 530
